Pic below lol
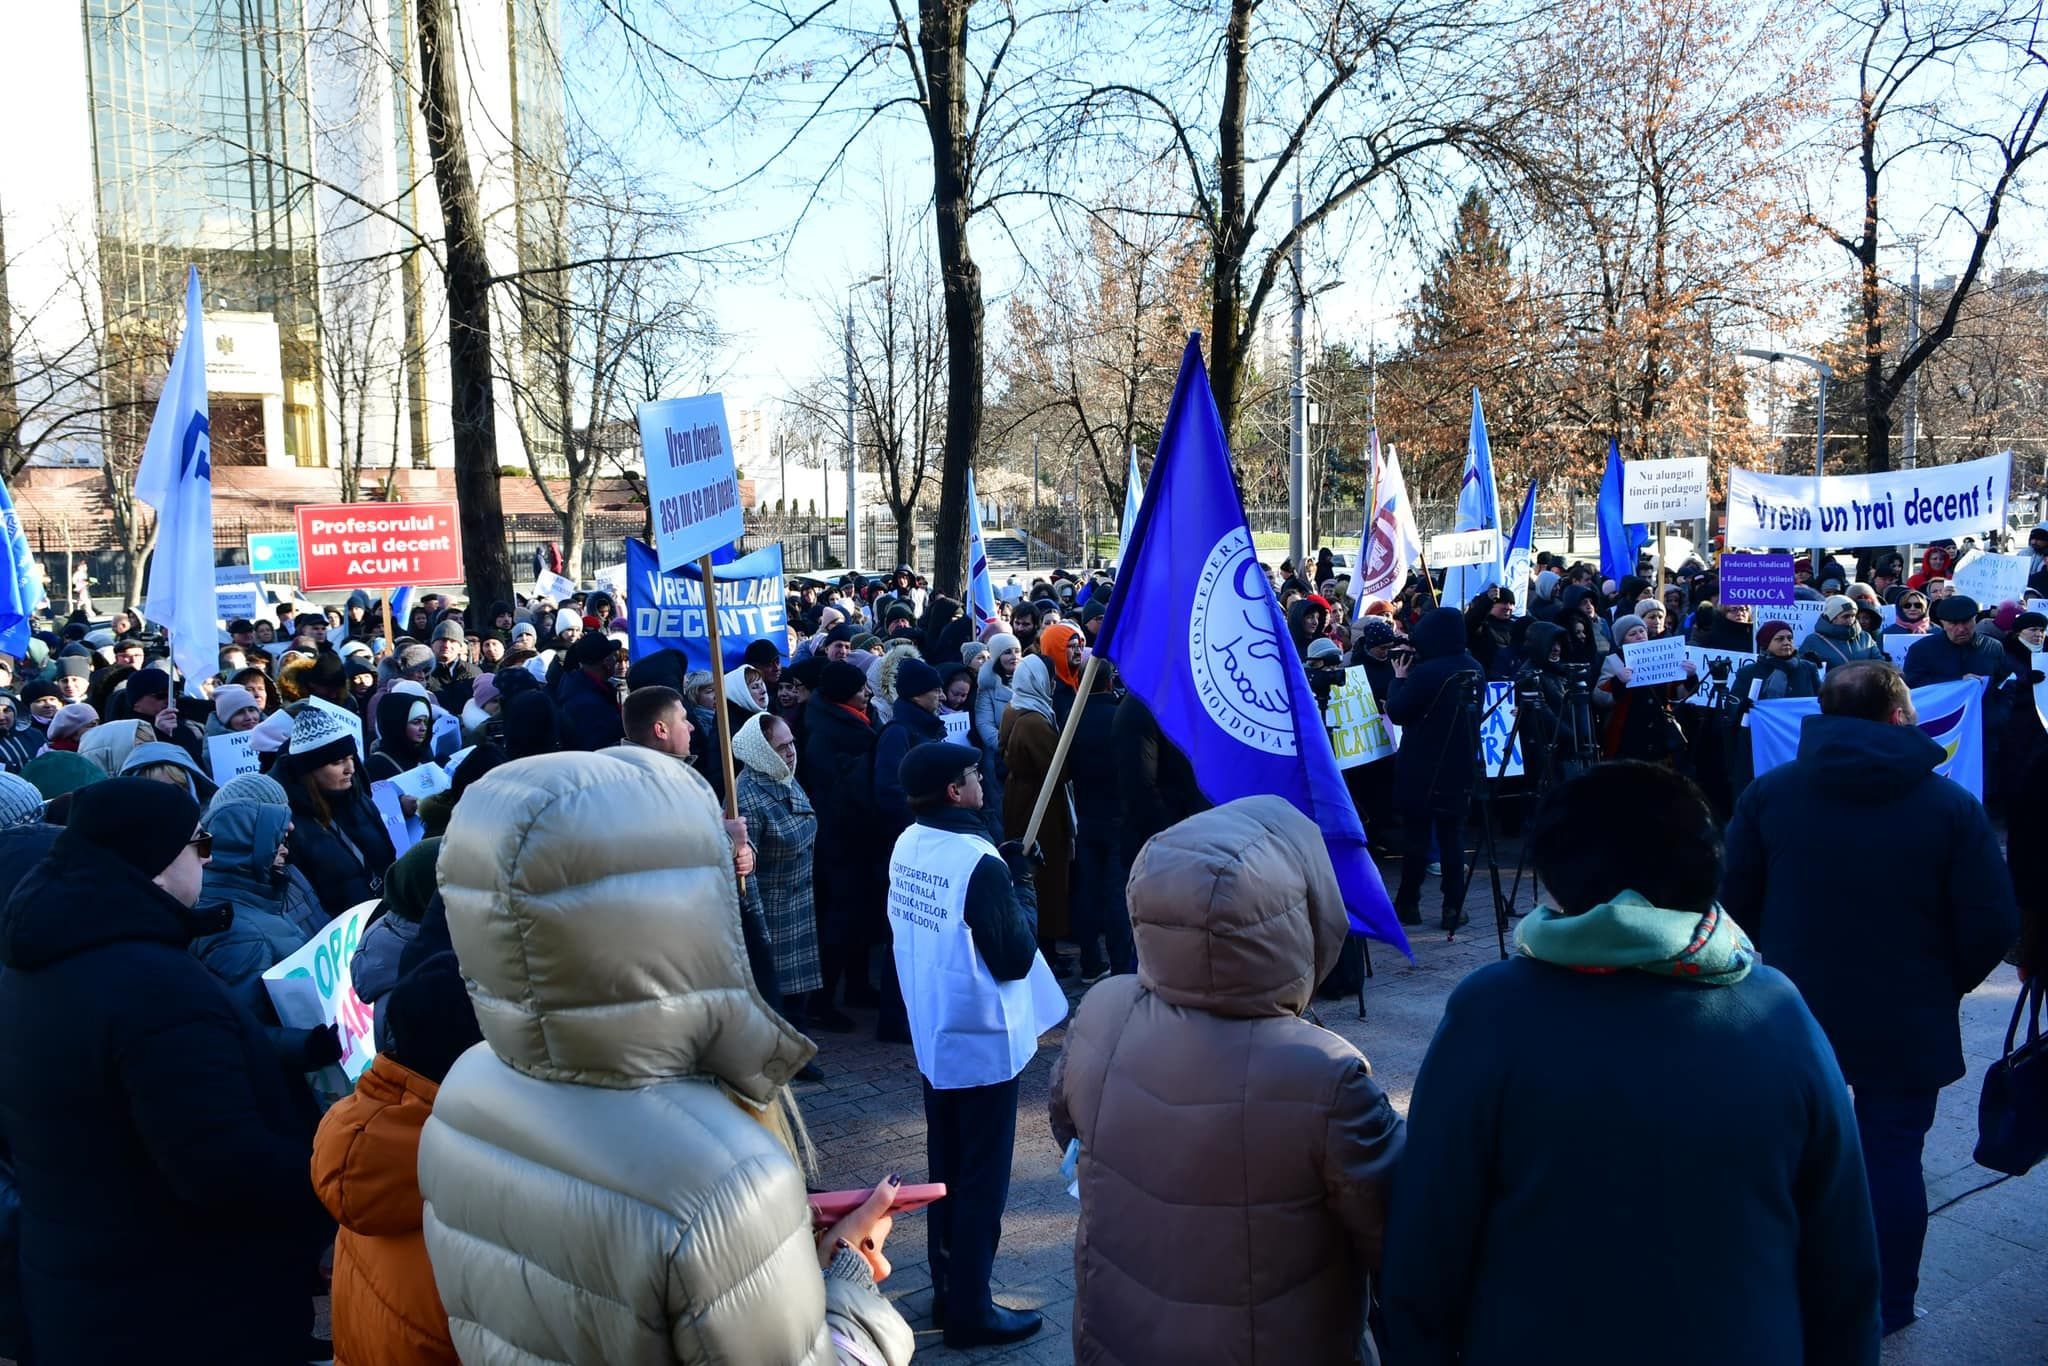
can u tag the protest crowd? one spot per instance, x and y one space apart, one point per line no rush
422 966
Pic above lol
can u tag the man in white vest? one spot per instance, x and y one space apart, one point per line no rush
964 917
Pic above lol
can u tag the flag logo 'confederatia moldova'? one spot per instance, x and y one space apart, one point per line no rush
1240 676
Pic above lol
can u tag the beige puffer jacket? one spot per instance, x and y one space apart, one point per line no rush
591 1193
1235 1159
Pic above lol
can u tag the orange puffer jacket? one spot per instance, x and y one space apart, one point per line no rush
365 1170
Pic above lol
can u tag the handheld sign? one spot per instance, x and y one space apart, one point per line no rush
553 587
1454 548
692 481
1992 579
1664 490
316 986
231 754
1758 580
372 545
1651 662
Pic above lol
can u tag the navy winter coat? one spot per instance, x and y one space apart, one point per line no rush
1937 659
1643 1138
167 1215
909 727
590 712
1438 762
345 858
1883 949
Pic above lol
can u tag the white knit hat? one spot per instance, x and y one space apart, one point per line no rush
319 737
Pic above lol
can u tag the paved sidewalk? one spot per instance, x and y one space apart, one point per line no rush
1984 1278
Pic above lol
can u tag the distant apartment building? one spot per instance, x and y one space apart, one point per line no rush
277 145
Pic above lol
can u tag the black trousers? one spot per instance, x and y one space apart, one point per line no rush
1893 1126
970 1135
1418 825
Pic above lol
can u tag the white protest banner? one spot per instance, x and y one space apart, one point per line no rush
1937 502
236 592
421 780
1651 662
1664 490
1716 670
612 578
2041 688
554 587
454 762
316 986
447 734
691 479
1358 732
231 754
1992 579
404 831
1454 548
1887 615
348 718
957 724
1895 647
1802 616
1495 728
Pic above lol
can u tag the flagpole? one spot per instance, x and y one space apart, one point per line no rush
732 796
390 637
1059 754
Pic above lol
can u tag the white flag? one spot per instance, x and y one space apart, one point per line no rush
1134 498
176 478
981 594
1390 541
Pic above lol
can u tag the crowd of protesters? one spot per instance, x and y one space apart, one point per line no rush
593 991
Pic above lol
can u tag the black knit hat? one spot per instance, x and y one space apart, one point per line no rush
591 648
762 653
149 683
809 671
430 1019
841 681
140 821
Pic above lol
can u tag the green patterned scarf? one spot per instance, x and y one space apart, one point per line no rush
1630 933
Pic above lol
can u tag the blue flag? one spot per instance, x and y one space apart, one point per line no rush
981 594
1515 561
1478 510
21 592
1197 634
1134 498
176 478
1951 714
1620 543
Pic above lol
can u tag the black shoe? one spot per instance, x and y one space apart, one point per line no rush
1062 967
892 1033
938 1311
1411 916
809 1072
1454 921
994 1327
830 1021
1090 976
862 996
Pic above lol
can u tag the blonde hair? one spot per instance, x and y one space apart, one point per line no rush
781 1117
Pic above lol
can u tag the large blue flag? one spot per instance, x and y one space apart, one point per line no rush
1516 559
1951 714
1621 544
665 608
1198 636
981 594
176 478
21 591
1478 510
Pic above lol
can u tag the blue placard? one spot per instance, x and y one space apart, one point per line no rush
1758 580
274 552
665 611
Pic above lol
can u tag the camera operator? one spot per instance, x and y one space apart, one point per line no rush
1436 688
1550 697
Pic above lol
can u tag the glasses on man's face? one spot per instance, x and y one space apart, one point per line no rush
972 775
202 843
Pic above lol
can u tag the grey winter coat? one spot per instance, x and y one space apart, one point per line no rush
598 1184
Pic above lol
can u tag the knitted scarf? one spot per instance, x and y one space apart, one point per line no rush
750 746
1630 933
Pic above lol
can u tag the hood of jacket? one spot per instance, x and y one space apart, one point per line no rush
1866 761
1439 634
366 1153
246 836
392 710
1569 599
1542 635
590 898
107 746
1236 910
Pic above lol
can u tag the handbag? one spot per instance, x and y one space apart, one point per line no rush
2012 1112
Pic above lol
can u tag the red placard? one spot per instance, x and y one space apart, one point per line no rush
378 545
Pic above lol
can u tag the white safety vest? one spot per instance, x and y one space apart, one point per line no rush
968 1028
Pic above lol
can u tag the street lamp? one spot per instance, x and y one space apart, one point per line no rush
1822 374
852 466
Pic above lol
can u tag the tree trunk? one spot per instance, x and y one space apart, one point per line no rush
906 536
942 35
486 559
1226 350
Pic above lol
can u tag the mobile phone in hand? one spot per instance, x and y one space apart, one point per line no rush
829 1207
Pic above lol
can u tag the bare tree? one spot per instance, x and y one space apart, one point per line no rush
1960 85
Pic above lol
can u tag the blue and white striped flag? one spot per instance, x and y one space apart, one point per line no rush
1134 498
21 590
176 478
1478 510
981 594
